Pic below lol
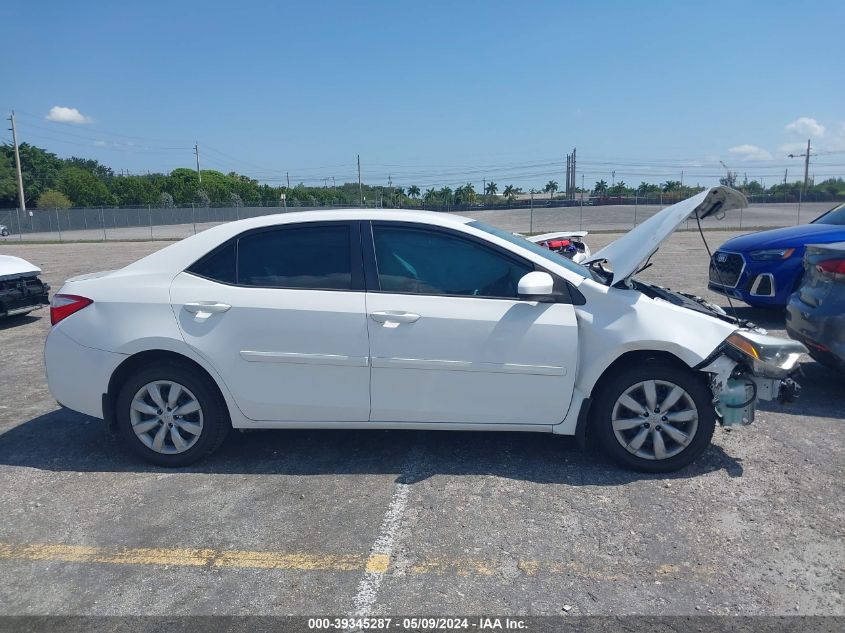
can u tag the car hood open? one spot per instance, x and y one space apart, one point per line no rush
630 252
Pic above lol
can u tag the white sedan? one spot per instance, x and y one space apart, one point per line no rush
398 319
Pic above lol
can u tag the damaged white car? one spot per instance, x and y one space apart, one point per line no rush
407 320
570 244
21 291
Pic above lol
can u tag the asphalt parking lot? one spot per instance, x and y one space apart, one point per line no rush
334 522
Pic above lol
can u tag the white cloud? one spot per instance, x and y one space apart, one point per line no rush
60 114
750 152
100 143
806 126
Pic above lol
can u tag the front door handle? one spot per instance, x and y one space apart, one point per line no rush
392 318
204 309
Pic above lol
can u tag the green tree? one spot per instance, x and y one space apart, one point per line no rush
550 188
671 185
491 189
413 192
430 195
52 199
511 192
600 188
619 189
83 188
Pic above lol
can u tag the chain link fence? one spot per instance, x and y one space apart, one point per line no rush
525 216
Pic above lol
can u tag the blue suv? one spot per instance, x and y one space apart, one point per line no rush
763 269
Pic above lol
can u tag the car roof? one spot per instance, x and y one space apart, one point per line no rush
185 252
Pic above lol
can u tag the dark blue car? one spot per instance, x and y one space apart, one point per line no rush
763 269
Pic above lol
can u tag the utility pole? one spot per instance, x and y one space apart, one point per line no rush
287 177
574 150
18 165
360 188
197 152
806 156
568 176
785 172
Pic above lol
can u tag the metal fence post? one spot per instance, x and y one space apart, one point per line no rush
58 224
20 228
150 210
581 213
636 201
103 222
194 217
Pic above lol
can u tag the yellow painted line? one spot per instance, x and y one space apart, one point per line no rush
377 563
182 557
374 563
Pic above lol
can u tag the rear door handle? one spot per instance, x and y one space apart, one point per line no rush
204 309
392 318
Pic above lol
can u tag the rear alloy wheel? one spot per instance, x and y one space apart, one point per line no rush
171 415
166 417
655 417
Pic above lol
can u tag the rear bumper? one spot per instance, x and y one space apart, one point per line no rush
821 329
78 376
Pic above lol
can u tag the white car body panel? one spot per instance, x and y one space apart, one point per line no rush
11 266
469 360
282 350
310 358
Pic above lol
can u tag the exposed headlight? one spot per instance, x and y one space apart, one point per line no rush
769 254
769 356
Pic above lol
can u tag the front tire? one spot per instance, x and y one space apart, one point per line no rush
654 417
170 415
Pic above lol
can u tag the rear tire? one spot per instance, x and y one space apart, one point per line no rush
628 428
171 415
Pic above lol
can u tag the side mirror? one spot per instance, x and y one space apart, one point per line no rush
536 286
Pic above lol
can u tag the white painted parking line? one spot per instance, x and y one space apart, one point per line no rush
380 552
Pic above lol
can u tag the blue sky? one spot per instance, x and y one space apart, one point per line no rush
432 93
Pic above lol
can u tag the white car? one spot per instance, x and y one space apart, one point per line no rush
407 320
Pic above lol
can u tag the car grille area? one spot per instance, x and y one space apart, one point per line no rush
725 268
18 295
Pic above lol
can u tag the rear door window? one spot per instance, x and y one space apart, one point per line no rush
315 257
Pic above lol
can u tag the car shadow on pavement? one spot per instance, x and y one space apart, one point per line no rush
768 318
66 441
16 321
821 393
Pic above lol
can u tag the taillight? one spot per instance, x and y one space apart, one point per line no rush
833 269
62 306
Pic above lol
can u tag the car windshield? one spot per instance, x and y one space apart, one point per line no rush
553 257
835 216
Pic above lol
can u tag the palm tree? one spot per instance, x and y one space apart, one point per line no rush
445 195
491 189
429 195
550 188
511 192
413 191
600 188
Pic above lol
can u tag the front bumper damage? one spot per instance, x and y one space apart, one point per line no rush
736 390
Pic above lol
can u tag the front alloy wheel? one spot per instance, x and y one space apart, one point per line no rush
654 416
654 419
